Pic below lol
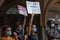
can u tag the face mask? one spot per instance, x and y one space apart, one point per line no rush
34 30
21 31
52 25
9 33
58 28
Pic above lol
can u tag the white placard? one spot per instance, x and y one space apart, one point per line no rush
33 7
22 10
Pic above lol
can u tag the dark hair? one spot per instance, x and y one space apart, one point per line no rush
4 28
56 24
49 22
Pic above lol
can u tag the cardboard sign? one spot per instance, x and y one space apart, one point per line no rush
22 10
33 7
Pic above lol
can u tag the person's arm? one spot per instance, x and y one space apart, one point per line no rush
24 22
30 24
28 30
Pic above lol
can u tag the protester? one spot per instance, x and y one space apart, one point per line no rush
52 32
58 28
31 31
8 34
28 29
33 35
19 33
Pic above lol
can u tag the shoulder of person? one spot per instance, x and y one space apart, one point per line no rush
12 38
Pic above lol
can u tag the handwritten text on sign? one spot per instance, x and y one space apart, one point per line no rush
22 10
33 7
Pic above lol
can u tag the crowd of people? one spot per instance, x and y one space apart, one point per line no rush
30 32
53 30
21 32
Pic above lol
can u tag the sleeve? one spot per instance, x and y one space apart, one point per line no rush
56 34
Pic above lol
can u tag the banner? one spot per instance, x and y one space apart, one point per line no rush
33 7
22 10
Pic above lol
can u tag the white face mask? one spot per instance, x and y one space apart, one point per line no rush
34 29
58 28
52 25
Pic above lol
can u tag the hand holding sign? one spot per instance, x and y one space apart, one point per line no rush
33 14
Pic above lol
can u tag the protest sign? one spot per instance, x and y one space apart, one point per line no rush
22 10
33 7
